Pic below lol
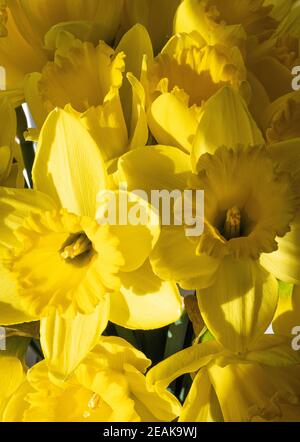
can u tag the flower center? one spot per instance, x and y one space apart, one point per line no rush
232 226
77 246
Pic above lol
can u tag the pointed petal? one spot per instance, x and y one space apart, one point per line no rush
189 360
68 164
241 303
135 44
234 127
201 402
139 132
176 128
66 342
145 302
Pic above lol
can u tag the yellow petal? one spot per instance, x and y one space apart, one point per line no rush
139 132
150 406
8 123
12 374
189 360
18 57
133 223
154 168
35 19
284 262
106 125
11 311
144 302
172 129
241 303
288 310
186 267
66 342
135 44
234 127
201 404
68 164
15 206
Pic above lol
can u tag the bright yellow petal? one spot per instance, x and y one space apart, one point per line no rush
201 404
135 44
17 56
155 168
133 223
68 164
139 132
234 125
284 262
145 302
149 405
66 342
12 374
241 303
288 310
175 259
189 360
176 128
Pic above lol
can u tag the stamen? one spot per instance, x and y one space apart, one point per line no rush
232 228
78 246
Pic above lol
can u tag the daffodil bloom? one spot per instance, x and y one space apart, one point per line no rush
259 385
108 386
251 218
10 172
155 15
27 24
232 22
182 78
60 264
93 94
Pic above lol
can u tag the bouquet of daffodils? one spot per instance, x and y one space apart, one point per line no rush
149 210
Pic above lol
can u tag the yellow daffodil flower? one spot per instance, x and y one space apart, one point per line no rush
10 173
60 264
26 24
94 94
260 385
251 218
182 78
108 386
